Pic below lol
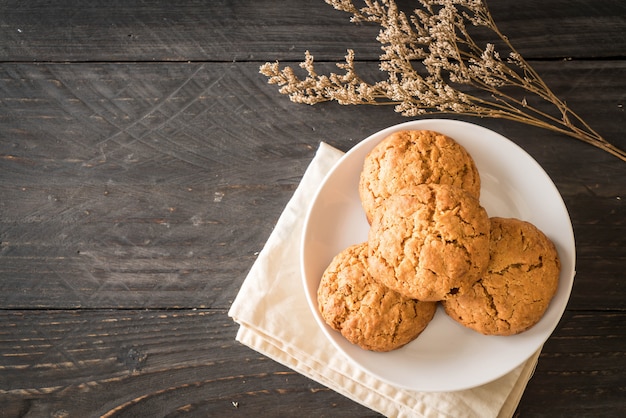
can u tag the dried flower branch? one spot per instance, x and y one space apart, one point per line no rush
433 65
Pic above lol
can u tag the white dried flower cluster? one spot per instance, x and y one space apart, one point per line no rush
434 65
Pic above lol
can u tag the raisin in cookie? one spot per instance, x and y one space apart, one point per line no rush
520 282
429 242
407 158
365 312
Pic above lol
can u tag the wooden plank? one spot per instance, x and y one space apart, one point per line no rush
99 362
581 362
121 363
125 185
267 30
533 25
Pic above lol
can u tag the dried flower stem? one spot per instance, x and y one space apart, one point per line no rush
432 63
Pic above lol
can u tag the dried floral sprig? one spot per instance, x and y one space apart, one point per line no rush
434 65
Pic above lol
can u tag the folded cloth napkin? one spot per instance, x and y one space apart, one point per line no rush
275 320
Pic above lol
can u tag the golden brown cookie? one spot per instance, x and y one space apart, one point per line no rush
365 312
520 282
429 242
407 158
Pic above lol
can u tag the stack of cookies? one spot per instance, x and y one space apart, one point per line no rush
430 241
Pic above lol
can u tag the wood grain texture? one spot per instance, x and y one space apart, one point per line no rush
144 162
124 186
146 363
143 363
242 30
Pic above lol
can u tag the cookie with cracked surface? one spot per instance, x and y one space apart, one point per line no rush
407 158
521 280
429 242
364 311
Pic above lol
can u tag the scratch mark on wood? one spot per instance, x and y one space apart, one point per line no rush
16 159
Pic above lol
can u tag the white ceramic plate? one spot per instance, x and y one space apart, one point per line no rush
446 356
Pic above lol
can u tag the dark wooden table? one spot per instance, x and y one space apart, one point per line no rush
144 161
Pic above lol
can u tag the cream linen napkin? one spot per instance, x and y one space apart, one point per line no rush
275 320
